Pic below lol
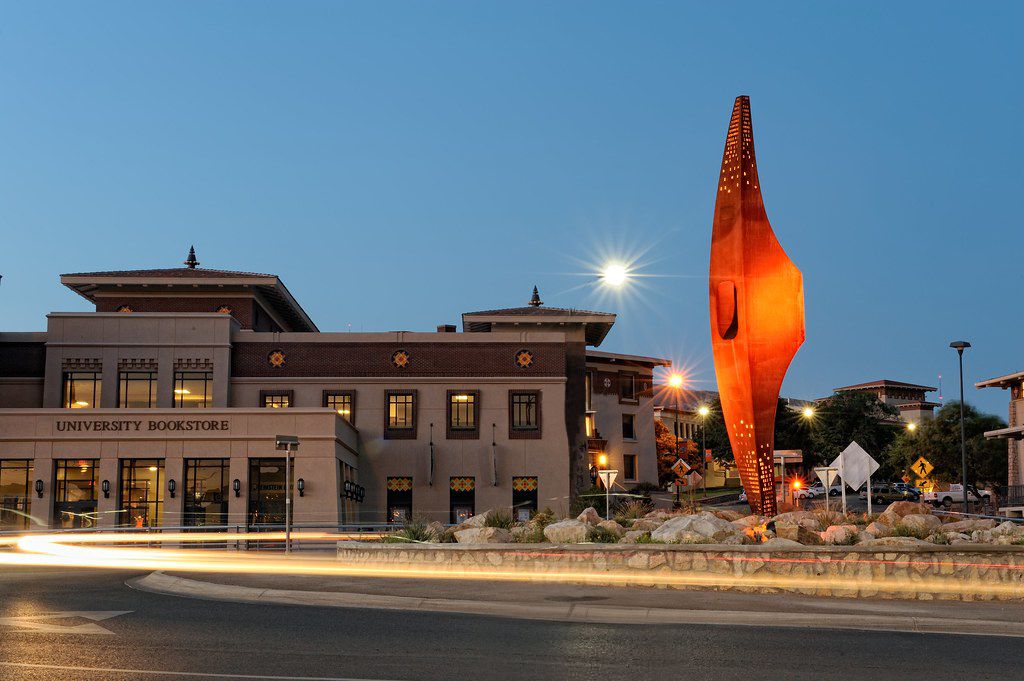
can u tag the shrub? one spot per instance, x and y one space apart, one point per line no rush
543 518
645 538
903 530
644 489
414 530
590 497
535 535
602 535
941 538
629 511
499 517
851 539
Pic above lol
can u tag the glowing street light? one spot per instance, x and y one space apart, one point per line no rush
614 274
703 410
808 412
675 381
911 426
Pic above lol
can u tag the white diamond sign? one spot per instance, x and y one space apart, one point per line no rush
855 466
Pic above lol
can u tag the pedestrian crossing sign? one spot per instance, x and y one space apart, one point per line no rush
922 467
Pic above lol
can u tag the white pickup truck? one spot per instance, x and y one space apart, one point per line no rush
954 494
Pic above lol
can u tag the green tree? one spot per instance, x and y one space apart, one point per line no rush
938 440
852 416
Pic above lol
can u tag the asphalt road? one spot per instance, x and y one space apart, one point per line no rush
167 637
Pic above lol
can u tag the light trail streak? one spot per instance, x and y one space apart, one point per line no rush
84 551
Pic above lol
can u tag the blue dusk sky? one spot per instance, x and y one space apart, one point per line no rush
398 164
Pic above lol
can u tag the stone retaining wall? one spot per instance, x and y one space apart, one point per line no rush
911 572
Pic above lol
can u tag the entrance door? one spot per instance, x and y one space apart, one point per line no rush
74 500
266 493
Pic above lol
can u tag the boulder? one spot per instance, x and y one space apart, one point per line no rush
646 524
437 531
479 520
726 514
613 527
782 543
590 516
797 533
750 521
969 525
702 525
567 532
903 508
522 532
631 537
483 535
878 529
895 541
659 515
949 537
921 523
795 516
839 534
1008 528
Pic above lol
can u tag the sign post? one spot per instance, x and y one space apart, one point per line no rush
855 468
827 476
607 477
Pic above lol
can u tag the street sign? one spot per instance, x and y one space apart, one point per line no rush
680 468
922 467
608 477
707 455
788 456
855 466
923 485
906 478
826 475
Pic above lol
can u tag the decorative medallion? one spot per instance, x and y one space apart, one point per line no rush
401 359
524 358
399 484
524 483
463 484
276 358
607 383
224 309
125 308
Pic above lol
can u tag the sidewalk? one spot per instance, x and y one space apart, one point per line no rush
610 605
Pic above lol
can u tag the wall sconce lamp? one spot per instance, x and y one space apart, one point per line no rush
593 474
301 485
105 486
347 493
172 487
39 488
236 486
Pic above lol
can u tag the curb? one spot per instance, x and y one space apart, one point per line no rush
160 583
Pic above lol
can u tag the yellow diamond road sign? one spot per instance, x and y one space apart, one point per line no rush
922 467
680 468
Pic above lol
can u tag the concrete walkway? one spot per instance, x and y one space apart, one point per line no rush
608 605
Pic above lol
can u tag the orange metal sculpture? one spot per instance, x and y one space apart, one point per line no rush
757 312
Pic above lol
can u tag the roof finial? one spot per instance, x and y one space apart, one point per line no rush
535 299
191 261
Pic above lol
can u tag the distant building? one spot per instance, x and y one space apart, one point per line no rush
1015 417
909 398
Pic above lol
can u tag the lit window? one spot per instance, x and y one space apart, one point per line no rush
277 400
462 411
136 390
591 427
401 414
340 402
193 389
82 389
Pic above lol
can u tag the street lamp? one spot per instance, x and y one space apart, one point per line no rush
960 346
807 412
911 426
287 444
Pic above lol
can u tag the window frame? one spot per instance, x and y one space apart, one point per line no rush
405 432
178 400
289 394
521 432
97 388
632 424
462 432
630 376
123 382
636 463
351 395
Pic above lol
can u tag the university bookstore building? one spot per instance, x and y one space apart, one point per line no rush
162 406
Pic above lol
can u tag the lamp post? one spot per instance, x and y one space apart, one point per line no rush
287 444
676 382
703 411
960 346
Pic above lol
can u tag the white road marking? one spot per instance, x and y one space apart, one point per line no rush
161 672
28 622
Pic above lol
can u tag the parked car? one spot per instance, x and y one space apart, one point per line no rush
743 496
885 492
803 493
818 490
954 494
